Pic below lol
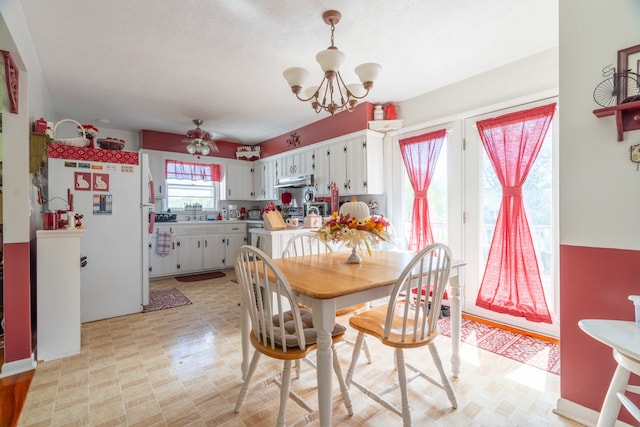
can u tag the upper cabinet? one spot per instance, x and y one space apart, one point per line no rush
356 164
321 178
157 166
237 183
297 162
264 180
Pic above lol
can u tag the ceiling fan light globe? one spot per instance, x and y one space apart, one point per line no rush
191 148
368 72
205 150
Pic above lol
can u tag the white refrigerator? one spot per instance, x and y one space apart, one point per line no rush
115 200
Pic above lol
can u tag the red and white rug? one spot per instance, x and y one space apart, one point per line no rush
522 348
162 299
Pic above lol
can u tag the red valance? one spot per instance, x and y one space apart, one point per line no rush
192 171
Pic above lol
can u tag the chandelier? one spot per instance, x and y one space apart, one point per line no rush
332 95
199 141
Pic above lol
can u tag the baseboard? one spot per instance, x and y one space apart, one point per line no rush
18 366
580 414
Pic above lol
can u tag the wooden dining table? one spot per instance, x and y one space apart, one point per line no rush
326 283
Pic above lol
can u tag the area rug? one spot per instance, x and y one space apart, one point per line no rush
203 276
165 298
521 348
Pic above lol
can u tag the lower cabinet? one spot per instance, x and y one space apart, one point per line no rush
163 264
273 242
195 248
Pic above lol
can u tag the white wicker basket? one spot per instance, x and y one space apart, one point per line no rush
74 142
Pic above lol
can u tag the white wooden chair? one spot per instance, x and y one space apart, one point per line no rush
406 324
309 243
279 328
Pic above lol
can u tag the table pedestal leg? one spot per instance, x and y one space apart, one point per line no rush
456 318
324 318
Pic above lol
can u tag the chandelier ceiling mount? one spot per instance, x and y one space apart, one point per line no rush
333 94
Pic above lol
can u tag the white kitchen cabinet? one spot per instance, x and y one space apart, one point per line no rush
356 164
236 236
321 179
163 265
58 293
214 250
297 162
273 242
265 180
157 166
190 254
238 181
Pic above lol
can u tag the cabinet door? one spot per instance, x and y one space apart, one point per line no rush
162 265
238 182
270 180
364 165
258 180
265 180
321 178
338 166
306 162
190 250
234 242
157 167
214 251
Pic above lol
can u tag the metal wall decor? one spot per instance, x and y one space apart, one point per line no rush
294 139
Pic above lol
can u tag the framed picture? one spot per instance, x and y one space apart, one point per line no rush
628 59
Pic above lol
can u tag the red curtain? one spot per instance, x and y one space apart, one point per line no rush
420 155
511 282
192 171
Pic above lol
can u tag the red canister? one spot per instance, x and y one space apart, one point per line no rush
390 112
50 220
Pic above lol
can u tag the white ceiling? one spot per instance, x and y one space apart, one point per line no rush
159 64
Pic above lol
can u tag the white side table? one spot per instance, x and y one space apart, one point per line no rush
624 338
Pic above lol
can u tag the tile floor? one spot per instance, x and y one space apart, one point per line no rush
181 367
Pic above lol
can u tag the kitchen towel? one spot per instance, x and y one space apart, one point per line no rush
163 245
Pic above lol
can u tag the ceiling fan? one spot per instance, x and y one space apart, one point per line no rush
199 141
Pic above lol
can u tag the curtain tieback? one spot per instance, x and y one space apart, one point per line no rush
512 191
420 194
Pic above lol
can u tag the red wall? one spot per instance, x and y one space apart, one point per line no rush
326 127
595 284
17 302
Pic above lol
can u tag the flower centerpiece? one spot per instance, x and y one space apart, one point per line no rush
90 132
356 228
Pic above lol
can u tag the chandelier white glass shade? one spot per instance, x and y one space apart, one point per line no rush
200 141
333 94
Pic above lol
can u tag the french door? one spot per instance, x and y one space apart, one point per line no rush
482 198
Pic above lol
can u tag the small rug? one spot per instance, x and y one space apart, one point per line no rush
521 348
165 298
203 276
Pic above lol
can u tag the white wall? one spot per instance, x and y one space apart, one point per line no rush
599 186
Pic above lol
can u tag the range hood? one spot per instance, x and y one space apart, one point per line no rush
295 181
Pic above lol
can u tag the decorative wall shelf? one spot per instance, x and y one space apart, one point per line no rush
386 125
627 116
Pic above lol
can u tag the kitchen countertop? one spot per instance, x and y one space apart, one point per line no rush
223 221
263 231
